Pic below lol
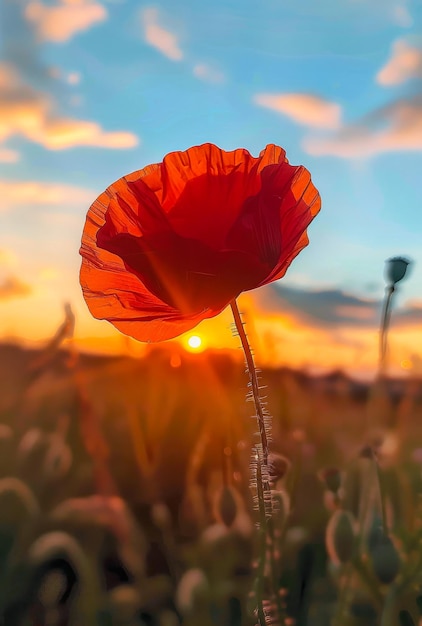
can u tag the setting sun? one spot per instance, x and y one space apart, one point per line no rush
194 342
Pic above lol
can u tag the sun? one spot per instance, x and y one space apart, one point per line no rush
194 342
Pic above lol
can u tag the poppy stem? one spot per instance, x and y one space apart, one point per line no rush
253 379
385 322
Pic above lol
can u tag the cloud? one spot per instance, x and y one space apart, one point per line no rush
333 308
62 133
13 287
29 113
158 37
7 155
61 22
305 109
205 72
405 63
28 193
395 127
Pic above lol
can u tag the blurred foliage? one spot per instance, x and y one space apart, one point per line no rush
125 498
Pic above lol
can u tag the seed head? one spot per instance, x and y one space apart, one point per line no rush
278 466
396 268
385 560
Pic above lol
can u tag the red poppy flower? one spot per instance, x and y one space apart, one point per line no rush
172 244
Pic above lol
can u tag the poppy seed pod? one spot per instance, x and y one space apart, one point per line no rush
385 560
278 466
396 268
340 536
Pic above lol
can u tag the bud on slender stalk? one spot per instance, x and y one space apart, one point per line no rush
395 269
385 560
278 467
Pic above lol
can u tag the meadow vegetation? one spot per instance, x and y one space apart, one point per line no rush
125 493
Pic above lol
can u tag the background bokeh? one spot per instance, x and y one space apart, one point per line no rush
91 90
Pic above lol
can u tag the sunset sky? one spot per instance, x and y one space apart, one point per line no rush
90 91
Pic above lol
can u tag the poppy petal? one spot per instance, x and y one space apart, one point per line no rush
172 244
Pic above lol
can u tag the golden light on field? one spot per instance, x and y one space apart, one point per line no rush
194 342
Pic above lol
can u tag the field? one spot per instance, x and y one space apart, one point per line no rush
125 493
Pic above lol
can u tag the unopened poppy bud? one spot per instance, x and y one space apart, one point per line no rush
385 560
396 268
225 506
278 466
340 536
331 477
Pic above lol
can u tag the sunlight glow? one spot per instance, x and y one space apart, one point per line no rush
194 342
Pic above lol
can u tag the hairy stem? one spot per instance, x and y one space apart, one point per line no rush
253 379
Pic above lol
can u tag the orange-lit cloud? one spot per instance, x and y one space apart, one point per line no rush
13 287
404 63
395 127
61 22
207 73
62 133
31 114
159 37
29 193
7 155
305 109
328 328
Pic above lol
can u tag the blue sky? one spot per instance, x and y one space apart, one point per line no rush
92 90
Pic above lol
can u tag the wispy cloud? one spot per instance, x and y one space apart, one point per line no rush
395 127
163 39
32 114
13 287
207 73
28 193
302 108
61 22
404 63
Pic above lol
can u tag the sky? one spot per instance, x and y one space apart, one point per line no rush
90 91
